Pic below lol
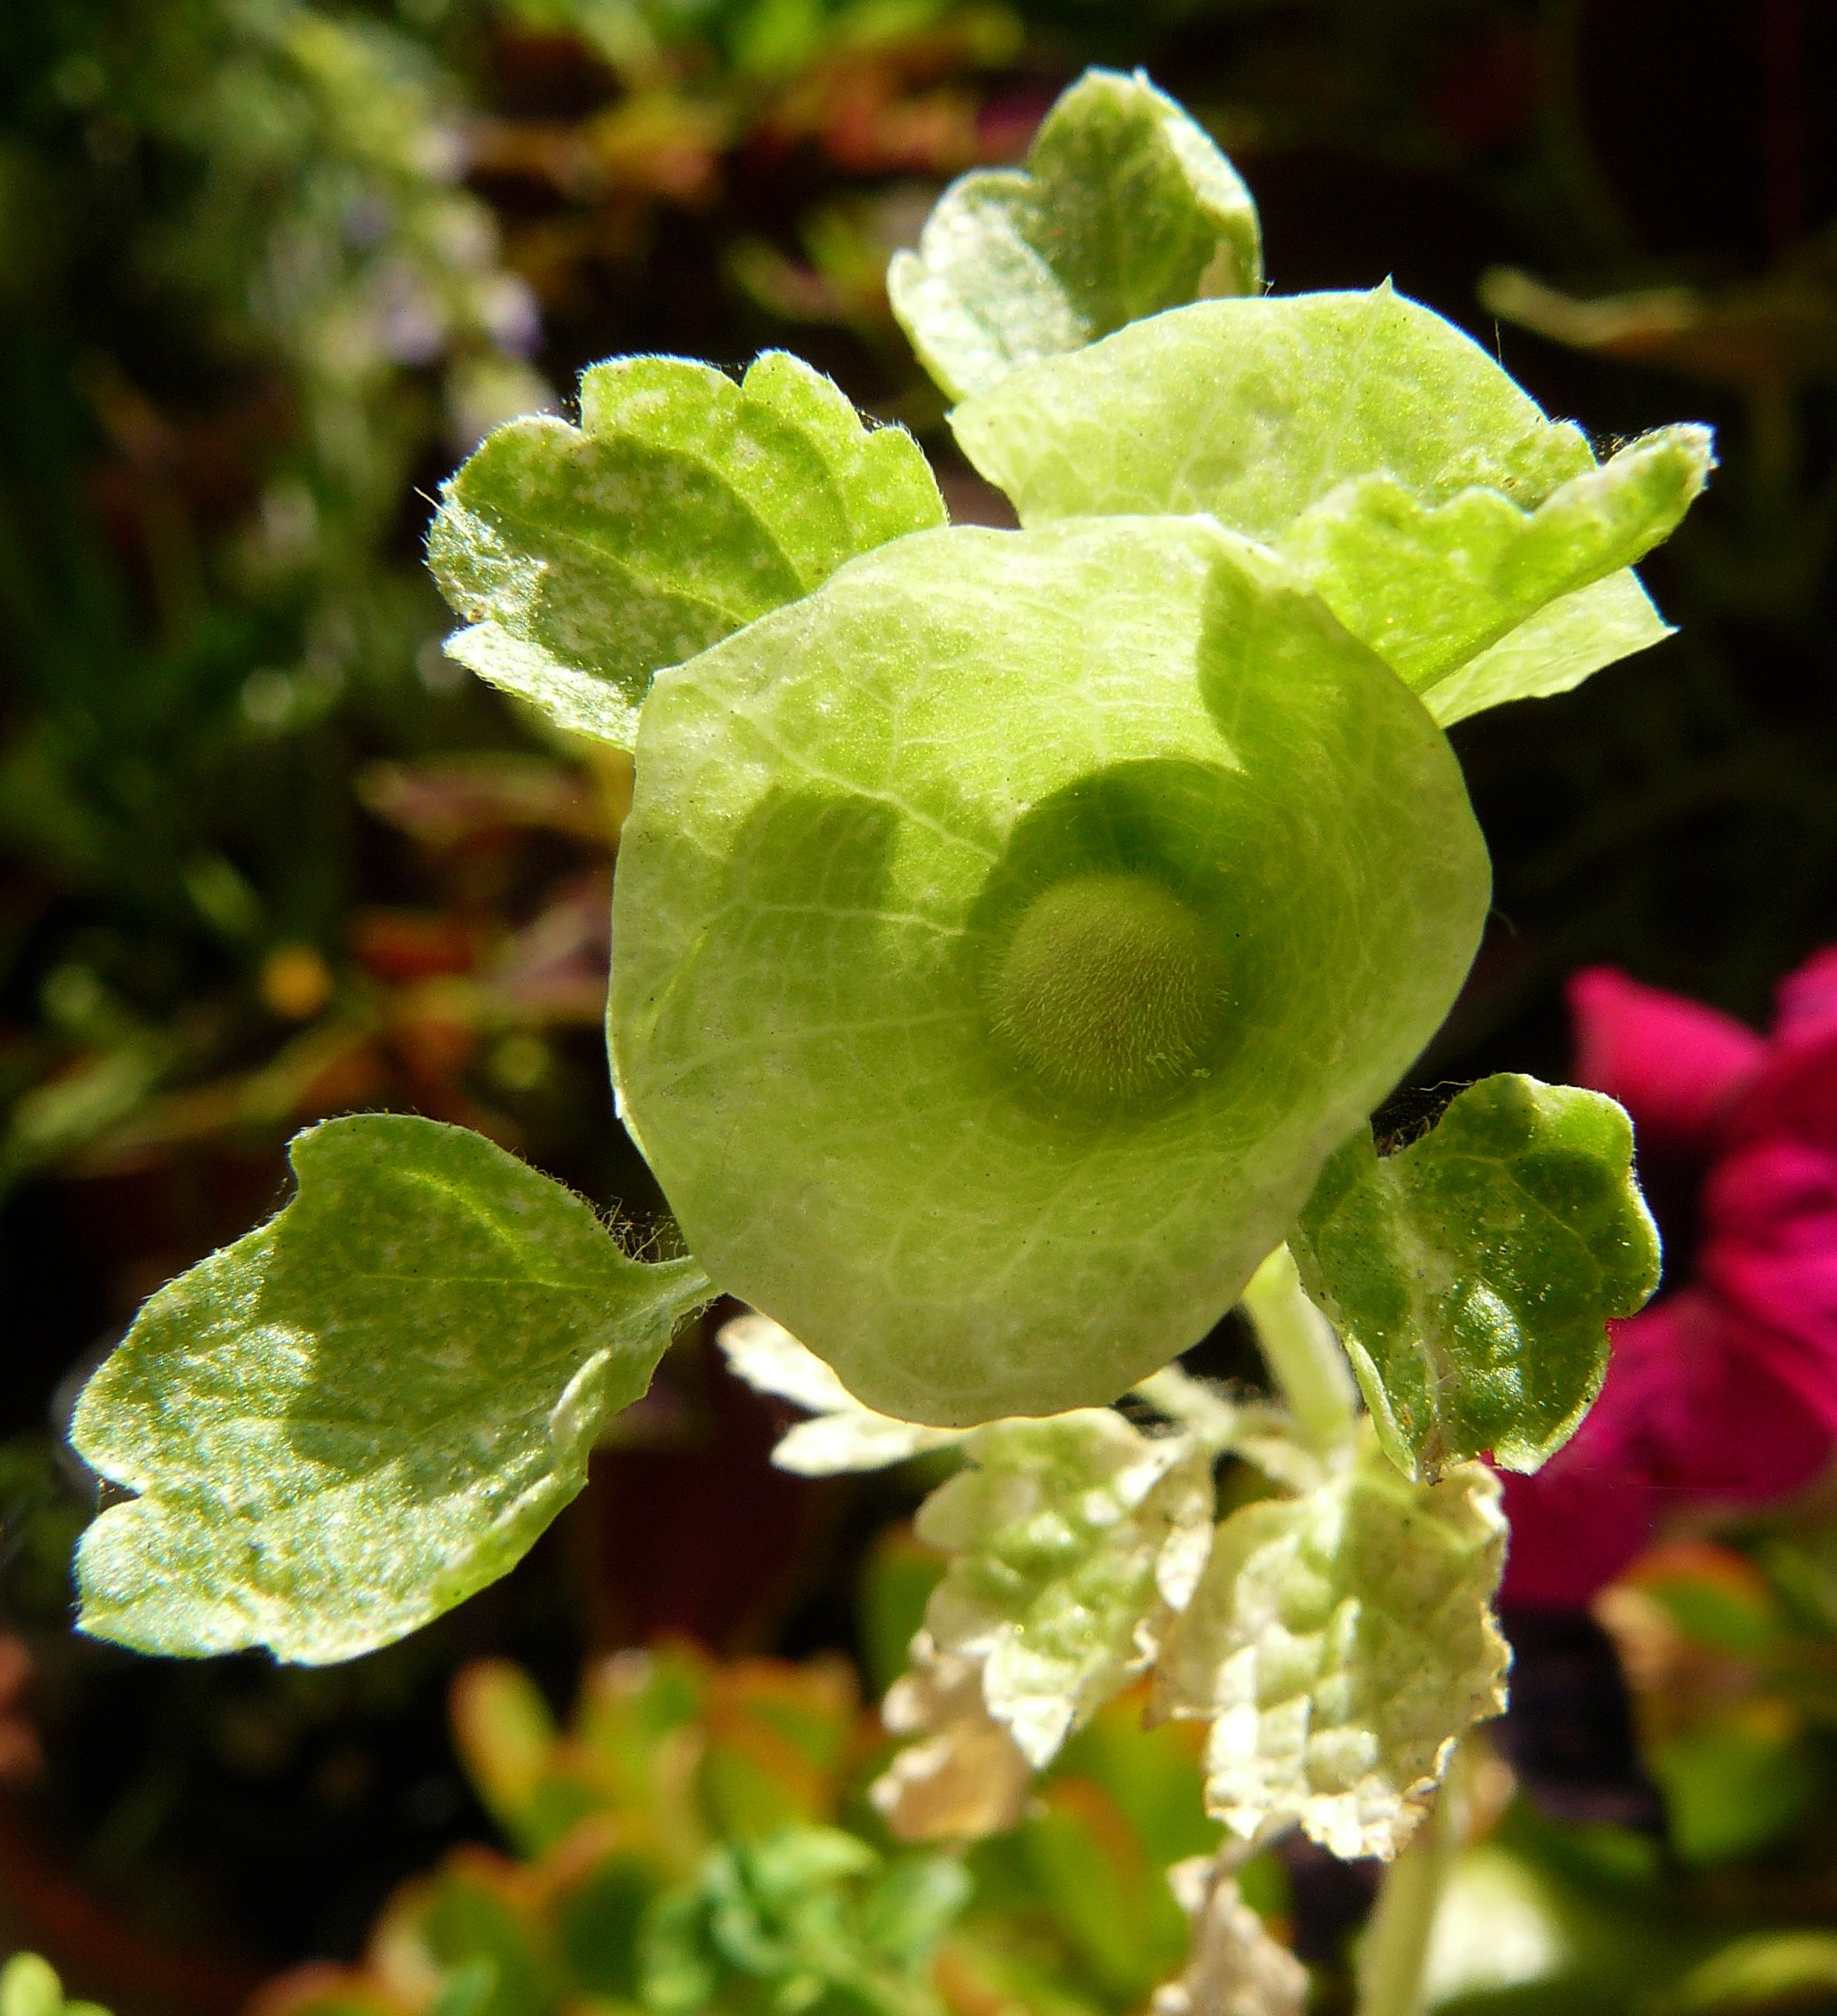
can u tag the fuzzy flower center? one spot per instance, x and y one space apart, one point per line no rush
1109 987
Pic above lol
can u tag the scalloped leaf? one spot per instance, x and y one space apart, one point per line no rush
1341 1643
682 507
1384 450
1567 641
1429 586
368 1408
1125 207
1076 1538
1472 1274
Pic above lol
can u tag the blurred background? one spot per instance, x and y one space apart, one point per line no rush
267 270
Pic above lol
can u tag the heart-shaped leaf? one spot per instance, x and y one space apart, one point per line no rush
367 1409
681 508
1125 207
1472 1274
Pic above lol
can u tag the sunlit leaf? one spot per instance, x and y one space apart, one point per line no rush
1341 1643
682 507
1075 1538
1257 410
1124 207
1472 1274
367 1409
1567 641
1429 585
1438 512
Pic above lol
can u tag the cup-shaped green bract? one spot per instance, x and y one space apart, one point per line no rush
1005 934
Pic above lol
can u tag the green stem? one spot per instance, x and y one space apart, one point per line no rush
1302 1352
1394 1959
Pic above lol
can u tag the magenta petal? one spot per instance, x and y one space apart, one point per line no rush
1794 1093
1700 1403
1674 1065
1770 1212
1589 1511
1721 1410
1808 998
1575 1525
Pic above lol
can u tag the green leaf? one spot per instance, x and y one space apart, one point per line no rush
1341 1643
1438 512
1429 585
1004 935
1257 410
845 1435
1125 207
1075 1538
815 1915
681 508
367 1410
29 1986
1735 1787
1567 641
1763 1970
1472 1274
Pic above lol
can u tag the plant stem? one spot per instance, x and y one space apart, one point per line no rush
1302 1352
1394 1959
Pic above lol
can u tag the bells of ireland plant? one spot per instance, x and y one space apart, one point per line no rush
1005 933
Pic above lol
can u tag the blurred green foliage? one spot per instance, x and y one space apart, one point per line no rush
253 305
245 296
699 1838
29 1986
1730 1647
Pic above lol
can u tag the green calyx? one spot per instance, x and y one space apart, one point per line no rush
1005 933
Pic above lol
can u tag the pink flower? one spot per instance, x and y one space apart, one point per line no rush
1724 1390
